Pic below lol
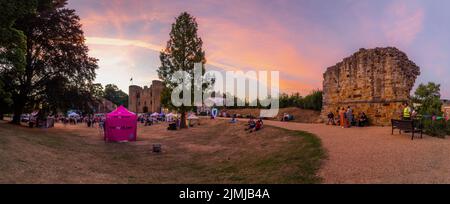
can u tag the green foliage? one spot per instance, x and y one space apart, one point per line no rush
97 91
115 95
447 127
312 101
5 101
165 99
430 99
13 41
294 100
437 128
52 63
183 50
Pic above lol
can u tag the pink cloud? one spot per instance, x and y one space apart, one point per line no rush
250 35
403 21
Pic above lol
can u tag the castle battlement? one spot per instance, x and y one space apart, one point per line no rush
147 99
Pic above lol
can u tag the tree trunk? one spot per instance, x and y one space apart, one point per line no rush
183 120
18 110
16 117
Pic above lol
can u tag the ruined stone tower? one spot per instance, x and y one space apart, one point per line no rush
147 99
375 81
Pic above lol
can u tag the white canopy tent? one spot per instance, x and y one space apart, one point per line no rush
170 117
73 114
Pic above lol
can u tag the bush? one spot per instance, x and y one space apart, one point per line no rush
447 127
313 101
438 128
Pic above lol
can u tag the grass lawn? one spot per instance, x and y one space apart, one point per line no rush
214 152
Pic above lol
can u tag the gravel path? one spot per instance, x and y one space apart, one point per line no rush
373 155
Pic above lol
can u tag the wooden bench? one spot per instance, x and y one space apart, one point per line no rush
406 125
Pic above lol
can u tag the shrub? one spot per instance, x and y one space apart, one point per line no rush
438 128
313 101
447 127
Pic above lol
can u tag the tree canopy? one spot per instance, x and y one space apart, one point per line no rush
115 95
311 101
429 98
52 70
183 50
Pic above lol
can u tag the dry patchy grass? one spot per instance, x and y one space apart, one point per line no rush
214 152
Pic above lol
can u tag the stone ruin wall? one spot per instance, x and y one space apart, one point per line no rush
375 81
147 98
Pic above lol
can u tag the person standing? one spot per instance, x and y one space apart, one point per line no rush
342 119
406 112
349 115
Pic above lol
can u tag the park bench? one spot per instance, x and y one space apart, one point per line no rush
406 125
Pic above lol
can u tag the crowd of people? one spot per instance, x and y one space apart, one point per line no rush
345 118
149 120
90 120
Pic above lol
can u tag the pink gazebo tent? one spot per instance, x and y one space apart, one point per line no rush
121 125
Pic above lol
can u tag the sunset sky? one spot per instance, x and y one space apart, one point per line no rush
299 38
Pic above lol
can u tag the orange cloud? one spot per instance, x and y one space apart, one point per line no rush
122 42
257 49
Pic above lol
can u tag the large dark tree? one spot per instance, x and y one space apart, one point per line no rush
12 44
57 72
115 95
97 91
183 50
5 100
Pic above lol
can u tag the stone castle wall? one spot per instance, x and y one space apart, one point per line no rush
147 99
375 81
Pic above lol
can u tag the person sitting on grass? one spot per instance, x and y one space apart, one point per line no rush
251 124
233 119
285 117
362 119
258 125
